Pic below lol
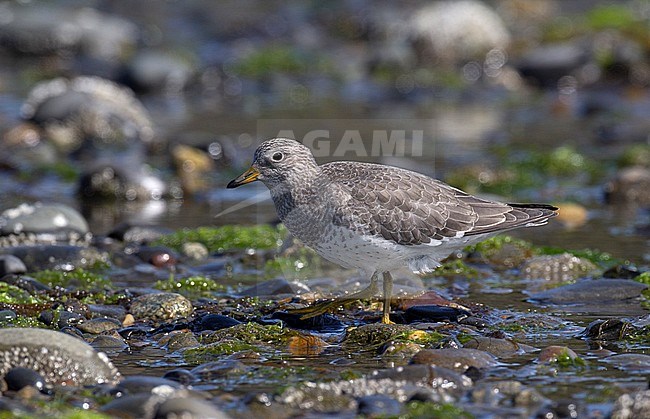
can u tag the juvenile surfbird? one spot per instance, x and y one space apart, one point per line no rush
375 217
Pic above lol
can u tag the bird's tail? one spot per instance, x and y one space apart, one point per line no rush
538 214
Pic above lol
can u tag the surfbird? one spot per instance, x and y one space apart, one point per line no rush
377 218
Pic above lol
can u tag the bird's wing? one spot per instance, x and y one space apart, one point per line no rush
412 209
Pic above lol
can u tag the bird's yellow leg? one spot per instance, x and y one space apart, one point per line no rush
388 292
323 307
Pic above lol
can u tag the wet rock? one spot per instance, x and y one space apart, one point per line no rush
42 223
601 290
456 359
630 185
133 406
450 383
182 376
557 268
109 343
193 166
67 318
305 345
19 377
572 215
132 181
271 288
631 406
378 405
325 323
56 257
90 112
99 325
452 31
498 347
181 340
157 70
433 313
160 306
373 336
183 407
557 354
26 283
138 233
110 312
610 329
56 28
135 384
7 315
546 64
630 362
195 250
213 322
622 272
507 394
426 299
10 264
59 358
158 256
215 370
342 396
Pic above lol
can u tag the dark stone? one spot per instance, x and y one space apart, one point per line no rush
456 359
622 272
546 64
213 322
433 313
129 232
378 405
269 288
26 283
325 323
141 405
135 384
67 318
218 369
611 329
601 290
181 376
99 325
20 377
108 343
50 256
188 407
10 264
6 315
428 375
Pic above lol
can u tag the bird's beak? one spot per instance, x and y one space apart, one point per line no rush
248 176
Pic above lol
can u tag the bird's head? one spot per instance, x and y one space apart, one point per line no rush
279 161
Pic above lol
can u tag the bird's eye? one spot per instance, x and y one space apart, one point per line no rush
277 156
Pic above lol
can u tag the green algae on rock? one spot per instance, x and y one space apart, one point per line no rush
11 294
252 333
193 286
60 358
78 278
228 237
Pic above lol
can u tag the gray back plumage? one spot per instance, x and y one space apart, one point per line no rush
412 209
